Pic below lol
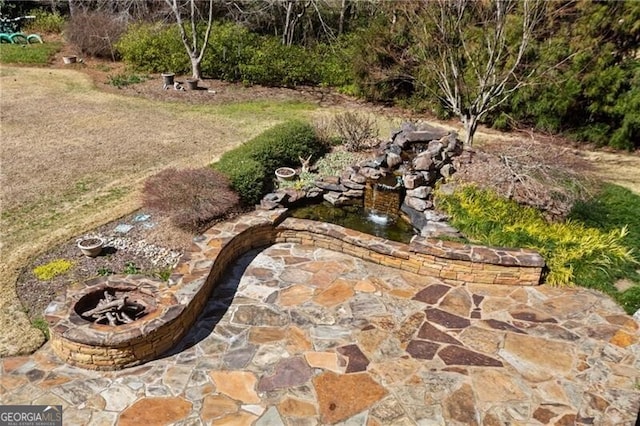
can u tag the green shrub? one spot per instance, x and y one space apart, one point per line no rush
570 249
630 299
50 270
230 46
275 64
45 22
284 144
236 54
247 176
612 208
154 48
251 166
333 64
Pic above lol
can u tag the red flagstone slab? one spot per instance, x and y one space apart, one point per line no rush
543 415
420 349
429 332
624 320
446 319
432 294
260 335
532 316
239 385
477 299
339 291
357 360
241 418
501 325
155 411
342 396
456 355
295 295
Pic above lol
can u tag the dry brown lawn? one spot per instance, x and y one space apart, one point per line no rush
73 157
620 168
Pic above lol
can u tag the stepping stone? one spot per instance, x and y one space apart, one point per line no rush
123 228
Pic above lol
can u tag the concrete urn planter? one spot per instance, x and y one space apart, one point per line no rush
91 247
285 173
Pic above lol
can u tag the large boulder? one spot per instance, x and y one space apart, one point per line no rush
413 180
420 192
423 161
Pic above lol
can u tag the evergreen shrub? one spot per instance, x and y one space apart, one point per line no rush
251 166
570 249
45 22
154 48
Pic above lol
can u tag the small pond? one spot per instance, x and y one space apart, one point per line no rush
355 217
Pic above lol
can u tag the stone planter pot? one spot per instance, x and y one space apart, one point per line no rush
192 83
285 173
69 59
167 78
91 247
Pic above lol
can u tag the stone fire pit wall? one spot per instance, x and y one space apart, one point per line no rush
181 300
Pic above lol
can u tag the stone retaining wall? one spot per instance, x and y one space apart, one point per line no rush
181 300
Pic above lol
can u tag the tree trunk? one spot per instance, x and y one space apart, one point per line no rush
287 25
343 9
470 123
196 68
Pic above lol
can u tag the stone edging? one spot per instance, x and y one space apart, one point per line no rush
181 300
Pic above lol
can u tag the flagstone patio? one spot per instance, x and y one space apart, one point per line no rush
299 335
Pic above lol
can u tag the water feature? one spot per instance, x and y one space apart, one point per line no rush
355 217
383 196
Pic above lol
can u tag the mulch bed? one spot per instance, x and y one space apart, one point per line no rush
133 245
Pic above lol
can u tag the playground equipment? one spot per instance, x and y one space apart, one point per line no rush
10 31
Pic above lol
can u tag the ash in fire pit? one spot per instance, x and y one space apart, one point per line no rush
115 306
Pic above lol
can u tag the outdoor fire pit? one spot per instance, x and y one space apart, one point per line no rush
116 306
115 322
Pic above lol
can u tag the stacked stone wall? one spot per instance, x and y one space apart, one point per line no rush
181 300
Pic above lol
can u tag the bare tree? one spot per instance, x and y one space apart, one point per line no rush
476 51
194 46
292 21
